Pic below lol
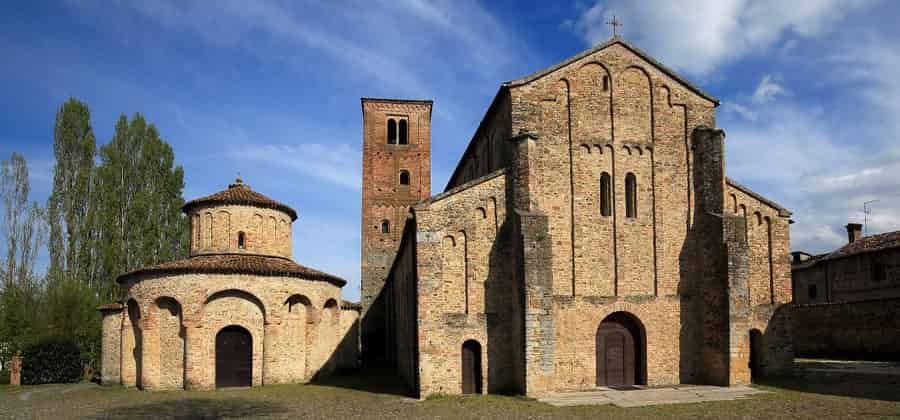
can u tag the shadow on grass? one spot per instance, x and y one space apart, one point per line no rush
196 408
372 380
853 385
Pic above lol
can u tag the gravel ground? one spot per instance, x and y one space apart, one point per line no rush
815 396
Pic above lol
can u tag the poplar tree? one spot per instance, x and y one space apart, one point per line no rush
69 203
139 198
71 282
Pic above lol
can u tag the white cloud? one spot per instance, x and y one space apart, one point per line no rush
697 36
824 161
767 90
336 164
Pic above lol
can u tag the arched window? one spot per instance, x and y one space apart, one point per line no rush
605 83
605 195
385 226
404 177
630 195
392 131
403 137
241 240
734 203
759 219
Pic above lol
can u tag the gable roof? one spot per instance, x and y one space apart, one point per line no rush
781 210
870 243
866 244
240 194
613 41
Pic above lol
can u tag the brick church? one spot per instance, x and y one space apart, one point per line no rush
588 237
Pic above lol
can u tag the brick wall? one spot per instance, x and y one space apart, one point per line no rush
864 330
168 329
215 230
384 199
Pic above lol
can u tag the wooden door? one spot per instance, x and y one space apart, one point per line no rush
615 355
234 357
471 367
615 359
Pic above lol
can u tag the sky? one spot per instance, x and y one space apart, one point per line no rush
270 90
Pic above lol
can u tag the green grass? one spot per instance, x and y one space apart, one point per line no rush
374 397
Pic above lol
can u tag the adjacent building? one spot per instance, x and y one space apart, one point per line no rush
866 268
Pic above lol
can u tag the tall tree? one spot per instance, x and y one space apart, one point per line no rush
139 198
23 222
68 207
24 232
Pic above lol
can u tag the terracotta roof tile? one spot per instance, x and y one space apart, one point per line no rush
868 244
241 194
237 264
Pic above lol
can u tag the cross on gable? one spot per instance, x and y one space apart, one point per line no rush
615 23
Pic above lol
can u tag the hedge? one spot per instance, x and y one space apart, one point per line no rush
51 360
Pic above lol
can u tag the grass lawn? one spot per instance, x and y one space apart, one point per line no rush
815 397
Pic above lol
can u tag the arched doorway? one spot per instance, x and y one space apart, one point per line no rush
234 357
471 367
621 351
755 355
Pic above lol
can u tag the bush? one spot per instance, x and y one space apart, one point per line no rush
51 360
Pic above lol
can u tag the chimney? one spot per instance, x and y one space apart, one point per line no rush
854 232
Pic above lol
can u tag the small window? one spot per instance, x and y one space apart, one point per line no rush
404 177
241 240
605 83
605 195
630 195
385 226
392 131
813 293
403 137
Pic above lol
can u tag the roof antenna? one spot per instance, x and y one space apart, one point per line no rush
615 23
866 210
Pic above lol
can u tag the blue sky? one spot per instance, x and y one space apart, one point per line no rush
271 90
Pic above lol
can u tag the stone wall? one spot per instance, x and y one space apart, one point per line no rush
111 345
401 295
169 327
611 112
864 330
216 229
465 280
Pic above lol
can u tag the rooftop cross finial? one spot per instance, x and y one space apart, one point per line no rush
615 23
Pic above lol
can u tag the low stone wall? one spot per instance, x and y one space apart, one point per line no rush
866 330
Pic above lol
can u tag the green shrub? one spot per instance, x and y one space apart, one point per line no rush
51 360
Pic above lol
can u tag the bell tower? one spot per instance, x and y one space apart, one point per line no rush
396 173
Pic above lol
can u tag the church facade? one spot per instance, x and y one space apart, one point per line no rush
588 237
238 312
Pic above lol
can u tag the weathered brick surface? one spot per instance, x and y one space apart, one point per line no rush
695 284
866 330
215 230
384 199
165 336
